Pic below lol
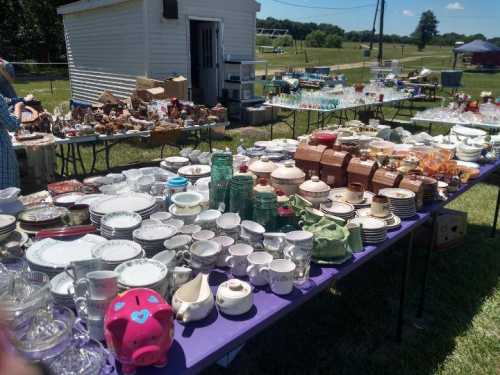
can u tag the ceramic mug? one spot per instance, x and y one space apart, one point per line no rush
237 259
280 276
274 243
355 193
82 267
380 206
98 285
256 262
225 243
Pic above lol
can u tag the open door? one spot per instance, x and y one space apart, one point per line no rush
205 61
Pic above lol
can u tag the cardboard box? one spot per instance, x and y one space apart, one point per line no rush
176 88
450 232
144 83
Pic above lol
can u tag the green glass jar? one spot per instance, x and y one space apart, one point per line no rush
241 196
265 210
221 175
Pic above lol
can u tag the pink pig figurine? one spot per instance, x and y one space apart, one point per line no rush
139 329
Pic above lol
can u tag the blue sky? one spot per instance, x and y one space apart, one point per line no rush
462 16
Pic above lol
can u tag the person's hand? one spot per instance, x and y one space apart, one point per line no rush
18 109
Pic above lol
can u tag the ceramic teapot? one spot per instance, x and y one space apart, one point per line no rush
288 178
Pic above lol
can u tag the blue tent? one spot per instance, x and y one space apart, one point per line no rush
477 46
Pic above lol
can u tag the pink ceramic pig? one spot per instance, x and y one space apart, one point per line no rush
139 329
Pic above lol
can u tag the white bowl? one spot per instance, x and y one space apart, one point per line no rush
229 221
187 199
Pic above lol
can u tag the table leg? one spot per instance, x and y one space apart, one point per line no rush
272 122
495 217
106 155
73 159
68 157
210 139
294 123
94 157
80 159
63 159
309 121
404 283
425 274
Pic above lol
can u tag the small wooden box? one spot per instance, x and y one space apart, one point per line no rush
308 158
334 167
384 178
416 185
361 171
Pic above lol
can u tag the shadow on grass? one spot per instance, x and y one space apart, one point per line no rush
350 330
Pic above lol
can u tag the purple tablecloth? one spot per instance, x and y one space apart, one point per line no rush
200 344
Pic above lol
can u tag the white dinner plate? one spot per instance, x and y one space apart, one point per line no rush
117 251
141 272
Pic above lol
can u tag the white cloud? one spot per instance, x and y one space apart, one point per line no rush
455 6
408 13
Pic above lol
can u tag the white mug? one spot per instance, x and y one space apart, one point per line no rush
256 262
237 259
279 275
80 268
98 285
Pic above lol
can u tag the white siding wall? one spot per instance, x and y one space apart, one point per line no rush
105 48
169 45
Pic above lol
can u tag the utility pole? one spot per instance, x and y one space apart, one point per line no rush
381 36
374 26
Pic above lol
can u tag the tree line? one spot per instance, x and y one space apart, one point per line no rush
314 33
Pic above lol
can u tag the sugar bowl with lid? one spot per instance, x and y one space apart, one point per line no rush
288 178
315 191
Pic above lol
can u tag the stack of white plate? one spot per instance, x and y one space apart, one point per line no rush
466 132
143 204
152 237
343 210
173 163
115 252
401 202
7 226
194 172
373 231
120 225
52 256
469 153
142 273
62 289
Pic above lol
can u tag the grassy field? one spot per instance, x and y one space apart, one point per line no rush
350 53
349 328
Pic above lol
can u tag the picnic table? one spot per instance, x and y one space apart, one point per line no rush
200 344
69 149
492 128
341 113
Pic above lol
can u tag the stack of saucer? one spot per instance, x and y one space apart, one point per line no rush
392 222
7 226
343 210
373 231
430 189
120 225
152 237
401 201
142 273
140 203
115 252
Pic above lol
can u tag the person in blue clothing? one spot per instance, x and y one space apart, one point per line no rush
9 169
7 76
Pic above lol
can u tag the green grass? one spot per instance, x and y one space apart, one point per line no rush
350 53
348 328
50 97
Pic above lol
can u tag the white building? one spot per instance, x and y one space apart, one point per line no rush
111 42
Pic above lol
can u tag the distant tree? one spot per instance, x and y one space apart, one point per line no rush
426 29
333 41
283 41
495 41
261 40
316 39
